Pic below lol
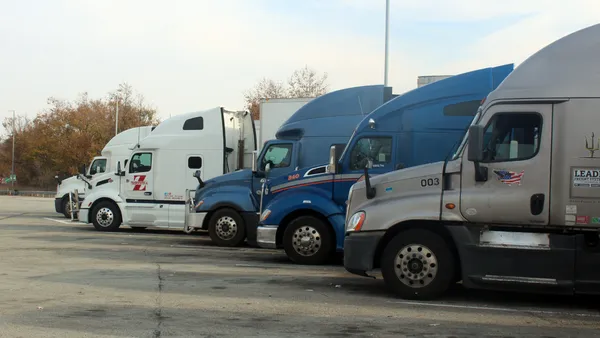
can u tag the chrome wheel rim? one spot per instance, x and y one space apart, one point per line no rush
226 227
105 217
416 265
306 241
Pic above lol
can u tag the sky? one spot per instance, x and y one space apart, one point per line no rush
188 55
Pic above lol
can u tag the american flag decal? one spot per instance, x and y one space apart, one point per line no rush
509 177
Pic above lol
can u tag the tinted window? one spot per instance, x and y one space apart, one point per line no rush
468 108
378 149
140 163
511 137
98 166
194 162
196 123
279 155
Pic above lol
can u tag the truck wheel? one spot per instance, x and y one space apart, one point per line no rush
417 264
226 228
66 207
106 216
308 240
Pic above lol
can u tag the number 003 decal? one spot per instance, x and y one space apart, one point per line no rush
430 182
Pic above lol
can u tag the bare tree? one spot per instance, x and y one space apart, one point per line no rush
305 82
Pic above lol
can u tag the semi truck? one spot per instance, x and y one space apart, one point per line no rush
304 211
515 208
118 148
148 190
227 206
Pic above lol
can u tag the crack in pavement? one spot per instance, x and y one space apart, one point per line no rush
158 311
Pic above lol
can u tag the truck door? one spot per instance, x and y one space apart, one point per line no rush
517 152
138 192
176 199
280 154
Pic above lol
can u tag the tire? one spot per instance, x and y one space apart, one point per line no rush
308 240
227 228
418 243
109 209
65 207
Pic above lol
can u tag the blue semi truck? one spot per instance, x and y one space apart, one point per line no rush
228 206
304 210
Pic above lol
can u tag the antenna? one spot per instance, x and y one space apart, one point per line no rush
360 105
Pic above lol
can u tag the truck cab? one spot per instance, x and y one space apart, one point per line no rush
515 208
304 210
116 149
227 206
148 189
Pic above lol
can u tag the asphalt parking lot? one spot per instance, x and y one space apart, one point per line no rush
60 279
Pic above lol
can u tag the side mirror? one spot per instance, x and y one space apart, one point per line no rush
268 167
475 150
369 164
82 169
198 175
254 157
118 173
475 154
332 166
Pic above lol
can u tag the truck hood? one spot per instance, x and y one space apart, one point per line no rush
236 178
404 174
297 175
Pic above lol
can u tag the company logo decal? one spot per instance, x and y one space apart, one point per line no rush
170 196
139 183
583 219
509 177
595 220
589 178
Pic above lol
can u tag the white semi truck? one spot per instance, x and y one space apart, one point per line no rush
148 188
516 207
117 149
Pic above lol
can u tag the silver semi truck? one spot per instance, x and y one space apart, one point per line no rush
516 207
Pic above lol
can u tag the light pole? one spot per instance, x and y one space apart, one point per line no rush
117 116
12 172
387 41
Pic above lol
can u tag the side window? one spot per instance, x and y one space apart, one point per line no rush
196 123
378 149
140 163
279 155
512 137
194 162
98 166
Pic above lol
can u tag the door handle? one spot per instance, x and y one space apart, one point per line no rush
537 204
147 193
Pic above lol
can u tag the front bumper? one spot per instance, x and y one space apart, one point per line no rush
83 215
194 220
359 251
266 236
58 205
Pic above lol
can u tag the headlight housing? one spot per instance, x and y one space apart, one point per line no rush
265 214
356 221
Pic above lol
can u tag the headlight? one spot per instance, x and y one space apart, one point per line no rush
265 214
356 221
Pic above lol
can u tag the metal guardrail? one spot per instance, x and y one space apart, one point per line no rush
30 193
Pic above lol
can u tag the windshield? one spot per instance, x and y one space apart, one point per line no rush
466 136
98 166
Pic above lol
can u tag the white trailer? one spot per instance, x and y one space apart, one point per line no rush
273 113
149 189
117 149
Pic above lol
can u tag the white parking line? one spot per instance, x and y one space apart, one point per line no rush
63 221
472 307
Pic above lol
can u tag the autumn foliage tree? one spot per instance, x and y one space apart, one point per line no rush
69 134
304 82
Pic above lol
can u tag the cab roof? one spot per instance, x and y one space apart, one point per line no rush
567 68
